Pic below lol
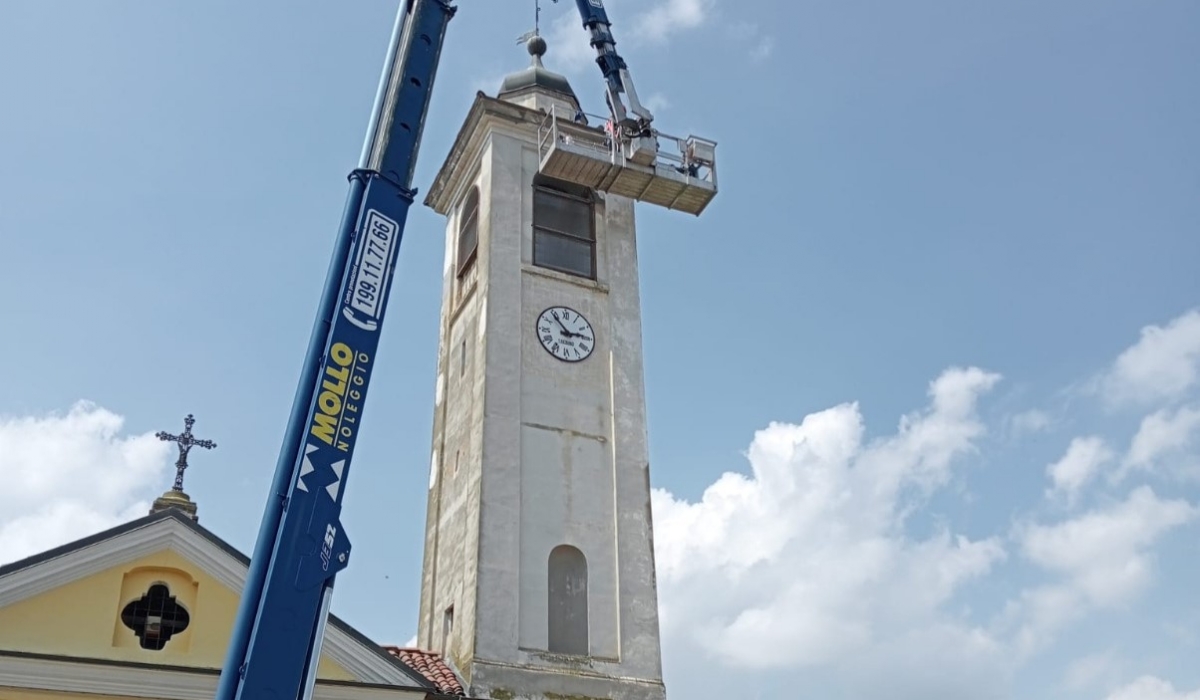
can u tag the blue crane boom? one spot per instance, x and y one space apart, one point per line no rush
634 119
276 641
275 645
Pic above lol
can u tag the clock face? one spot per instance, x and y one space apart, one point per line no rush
566 334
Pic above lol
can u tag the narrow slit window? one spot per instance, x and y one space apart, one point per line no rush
447 628
468 231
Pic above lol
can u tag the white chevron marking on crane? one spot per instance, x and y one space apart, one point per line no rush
306 467
333 488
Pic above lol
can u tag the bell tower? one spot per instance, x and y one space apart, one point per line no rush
538 577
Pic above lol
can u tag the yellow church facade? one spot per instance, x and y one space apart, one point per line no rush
145 610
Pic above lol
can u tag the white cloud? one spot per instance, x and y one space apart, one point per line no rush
806 560
936 660
635 25
70 475
751 35
568 50
1102 549
1091 670
656 103
1031 421
1162 365
1151 688
1182 630
1162 434
812 563
762 48
1103 560
665 17
1083 460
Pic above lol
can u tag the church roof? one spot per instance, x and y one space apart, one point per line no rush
537 76
431 665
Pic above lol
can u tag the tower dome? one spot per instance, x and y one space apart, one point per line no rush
536 76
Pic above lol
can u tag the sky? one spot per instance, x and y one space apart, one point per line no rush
923 382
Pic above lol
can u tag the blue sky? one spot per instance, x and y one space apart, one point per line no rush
963 214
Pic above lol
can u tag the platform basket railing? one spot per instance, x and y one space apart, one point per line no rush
682 177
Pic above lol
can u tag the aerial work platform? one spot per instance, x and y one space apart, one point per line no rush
644 169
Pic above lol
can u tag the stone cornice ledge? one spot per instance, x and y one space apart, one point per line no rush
66 675
487 112
573 672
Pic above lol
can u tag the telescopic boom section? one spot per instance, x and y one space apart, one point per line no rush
276 642
635 119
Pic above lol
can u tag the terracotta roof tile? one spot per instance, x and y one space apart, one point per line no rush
431 665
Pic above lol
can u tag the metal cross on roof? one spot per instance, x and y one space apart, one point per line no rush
185 443
537 22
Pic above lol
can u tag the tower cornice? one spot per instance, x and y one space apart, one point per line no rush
486 116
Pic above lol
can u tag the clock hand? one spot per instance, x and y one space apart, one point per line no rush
560 324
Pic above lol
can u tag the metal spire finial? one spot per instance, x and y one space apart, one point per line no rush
533 40
185 442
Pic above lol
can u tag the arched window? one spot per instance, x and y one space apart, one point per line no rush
568 601
564 235
468 231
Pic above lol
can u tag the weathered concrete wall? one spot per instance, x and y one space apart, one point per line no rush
453 521
638 594
429 598
496 629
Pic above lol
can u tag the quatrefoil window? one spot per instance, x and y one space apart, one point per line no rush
155 617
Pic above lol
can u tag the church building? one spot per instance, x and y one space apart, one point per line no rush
145 610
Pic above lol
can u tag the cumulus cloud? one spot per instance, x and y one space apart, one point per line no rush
942 659
1091 670
1103 558
1030 422
635 24
806 560
70 475
1162 365
568 50
1084 458
825 558
1103 551
665 17
1162 435
1151 688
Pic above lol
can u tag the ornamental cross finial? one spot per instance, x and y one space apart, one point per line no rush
185 443
537 22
